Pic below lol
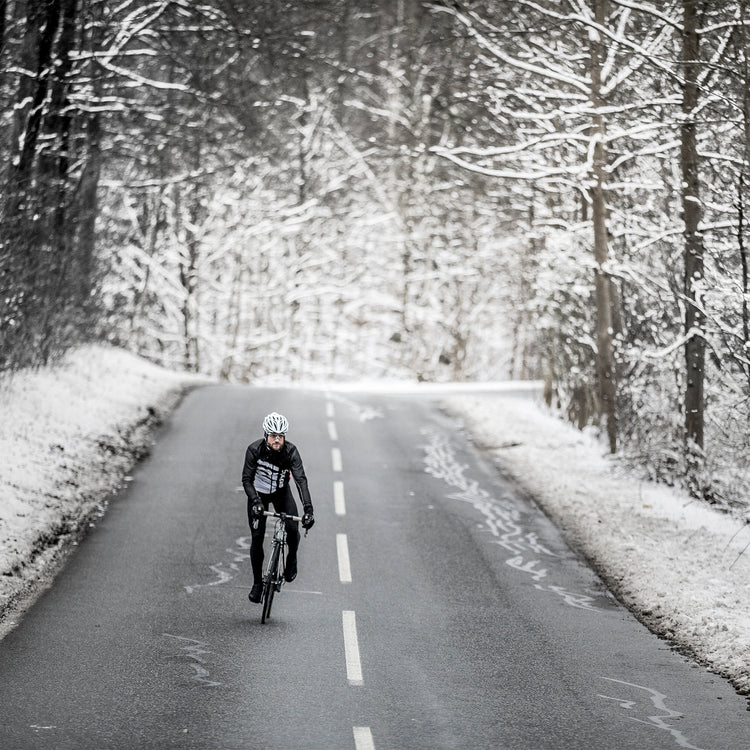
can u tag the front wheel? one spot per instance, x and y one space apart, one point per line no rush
269 584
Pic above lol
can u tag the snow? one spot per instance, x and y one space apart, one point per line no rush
70 434
681 566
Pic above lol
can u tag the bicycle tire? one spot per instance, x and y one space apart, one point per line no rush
266 606
269 584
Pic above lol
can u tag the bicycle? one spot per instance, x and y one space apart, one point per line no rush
273 579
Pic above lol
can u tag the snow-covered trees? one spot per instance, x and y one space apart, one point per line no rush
350 247
48 142
437 190
626 117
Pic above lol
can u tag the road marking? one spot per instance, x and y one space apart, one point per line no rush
339 503
363 738
332 433
336 459
351 648
345 568
329 410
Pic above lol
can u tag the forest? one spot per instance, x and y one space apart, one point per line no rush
468 190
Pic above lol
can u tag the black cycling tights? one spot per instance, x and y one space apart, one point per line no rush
283 502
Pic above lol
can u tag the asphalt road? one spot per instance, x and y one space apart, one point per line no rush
435 608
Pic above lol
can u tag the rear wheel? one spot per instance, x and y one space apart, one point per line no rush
269 584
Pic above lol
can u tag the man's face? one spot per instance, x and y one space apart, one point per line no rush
275 440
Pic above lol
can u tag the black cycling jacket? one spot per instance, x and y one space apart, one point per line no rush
267 471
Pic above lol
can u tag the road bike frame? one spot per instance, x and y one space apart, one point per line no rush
273 578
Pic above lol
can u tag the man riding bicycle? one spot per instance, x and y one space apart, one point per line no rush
269 462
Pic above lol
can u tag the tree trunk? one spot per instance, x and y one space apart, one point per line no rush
88 209
55 166
41 27
605 362
3 9
695 345
741 188
745 271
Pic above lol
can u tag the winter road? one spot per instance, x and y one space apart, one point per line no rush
435 608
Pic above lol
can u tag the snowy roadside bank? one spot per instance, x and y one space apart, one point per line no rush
682 567
68 437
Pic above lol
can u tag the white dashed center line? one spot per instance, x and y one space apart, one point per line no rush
342 549
351 648
339 504
362 735
363 738
332 431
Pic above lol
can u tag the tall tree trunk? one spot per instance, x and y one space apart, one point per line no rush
3 9
741 187
605 361
41 27
87 209
54 167
744 269
695 345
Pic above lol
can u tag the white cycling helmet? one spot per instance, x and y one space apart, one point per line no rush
275 423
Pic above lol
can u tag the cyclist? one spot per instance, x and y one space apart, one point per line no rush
269 462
